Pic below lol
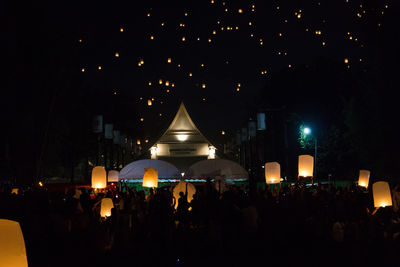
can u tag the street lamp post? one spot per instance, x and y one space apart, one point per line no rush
307 131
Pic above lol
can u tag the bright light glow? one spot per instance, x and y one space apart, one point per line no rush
182 137
153 151
306 130
211 152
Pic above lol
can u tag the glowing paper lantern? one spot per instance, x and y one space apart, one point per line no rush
363 178
15 191
381 193
150 177
99 177
272 172
106 206
12 244
306 165
113 176
181 187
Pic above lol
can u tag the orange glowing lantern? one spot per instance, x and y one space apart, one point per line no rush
106 206
363 178
306 165
12 244
181 187
99 177
382 195
150 177
272 173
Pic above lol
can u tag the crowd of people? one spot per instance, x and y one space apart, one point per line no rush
319 225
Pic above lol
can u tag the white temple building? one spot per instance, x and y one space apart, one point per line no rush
182 144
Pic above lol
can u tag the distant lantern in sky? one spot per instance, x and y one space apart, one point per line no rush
169 60
382 195
80 40
121 29
138 142
160 81
150 178
83 69
149 103
306 166
106 206
190 74
149 83
151 37
166 83
99 67
363 178
116 54
12 244
223 132
272 172
203 85
346 60
183 39
240 11
142 119
99 177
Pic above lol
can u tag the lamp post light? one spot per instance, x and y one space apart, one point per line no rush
307 131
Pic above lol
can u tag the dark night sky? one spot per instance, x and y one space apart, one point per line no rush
48 45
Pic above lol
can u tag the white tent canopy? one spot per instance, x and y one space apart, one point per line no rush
135 170
211 168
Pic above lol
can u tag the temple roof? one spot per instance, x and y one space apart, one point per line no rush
182 130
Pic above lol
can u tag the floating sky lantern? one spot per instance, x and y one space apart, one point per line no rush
272 173
306 166
149 102
381 193
363 178
12 245
106 206
99 177
150 178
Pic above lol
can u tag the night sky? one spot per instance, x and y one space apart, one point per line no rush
224 59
